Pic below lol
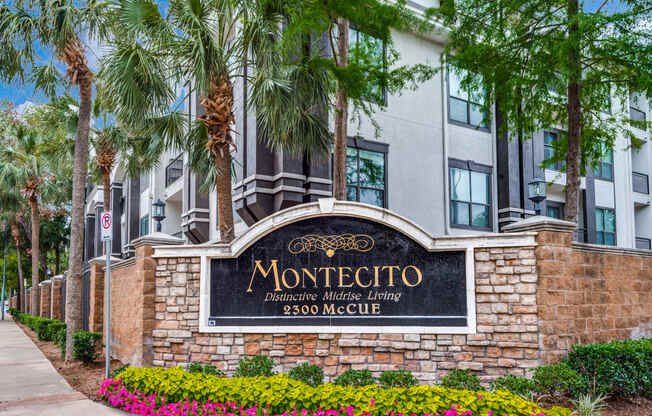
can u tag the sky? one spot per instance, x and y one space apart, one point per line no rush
21 95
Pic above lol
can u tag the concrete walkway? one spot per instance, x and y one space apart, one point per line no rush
29 385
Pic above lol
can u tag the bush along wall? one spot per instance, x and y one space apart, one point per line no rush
158 387
85 344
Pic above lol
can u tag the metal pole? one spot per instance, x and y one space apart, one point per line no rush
107 306
4 279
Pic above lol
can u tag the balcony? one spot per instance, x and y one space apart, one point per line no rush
174 170
643 243
641 183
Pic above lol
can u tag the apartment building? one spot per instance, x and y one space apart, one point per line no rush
437 160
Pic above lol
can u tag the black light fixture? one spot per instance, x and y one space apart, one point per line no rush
536 190
158 213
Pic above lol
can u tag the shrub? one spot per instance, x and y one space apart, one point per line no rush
204 368
559 379
355 378
283 394
521 386
60 340
461 379
310 374
117 371
260 365
54 328
84 345
400 378
616 368
587 405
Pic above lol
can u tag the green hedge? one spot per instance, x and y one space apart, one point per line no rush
616 368
284 393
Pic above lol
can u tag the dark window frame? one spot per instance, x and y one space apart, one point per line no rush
140 223
359 143
557 166
599 171
635 109
468 110
470 166
555 204
615 232
646 241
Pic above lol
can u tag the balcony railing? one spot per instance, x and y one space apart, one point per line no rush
643 243
174 170
641 183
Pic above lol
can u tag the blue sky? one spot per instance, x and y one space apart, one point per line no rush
18 93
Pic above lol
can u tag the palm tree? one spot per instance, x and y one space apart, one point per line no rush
60 26
205 46
23 165
10 202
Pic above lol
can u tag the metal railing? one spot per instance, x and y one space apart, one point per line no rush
643 243
174 170
641 183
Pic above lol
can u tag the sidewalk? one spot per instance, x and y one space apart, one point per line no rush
29 385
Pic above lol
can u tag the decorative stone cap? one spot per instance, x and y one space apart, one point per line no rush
156 239
101 260
45 282
58 277
541 223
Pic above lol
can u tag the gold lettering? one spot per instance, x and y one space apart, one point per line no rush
329 309
375 308
296 278
327 274
349 310
357 276
273 266
312 277
340 310
417 271
391 274
343 275
376 277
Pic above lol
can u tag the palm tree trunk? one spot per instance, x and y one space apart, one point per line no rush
224 197
74 279
106 182
574 118
33 205
28 233
21 284
341 114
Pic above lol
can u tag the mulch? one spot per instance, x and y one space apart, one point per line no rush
86 379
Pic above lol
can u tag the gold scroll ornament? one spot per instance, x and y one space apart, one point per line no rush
330 243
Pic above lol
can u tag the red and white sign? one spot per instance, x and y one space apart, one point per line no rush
106 224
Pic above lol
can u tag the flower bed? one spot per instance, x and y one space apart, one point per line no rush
159 391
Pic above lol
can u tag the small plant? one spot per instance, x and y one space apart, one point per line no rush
355 378
260 365
520 386
399 378
60 340
84 346
559 379
588 405
461 380
310 374
115 373
204 368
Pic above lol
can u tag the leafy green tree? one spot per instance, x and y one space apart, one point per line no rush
206 45
362 70
59 25
554 64
23 165
10 205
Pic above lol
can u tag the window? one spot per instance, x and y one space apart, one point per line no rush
365 172
465 106
144 225
144 181
549 141
555 210
643 243
605 226
636 112
369 51
605 168
470 194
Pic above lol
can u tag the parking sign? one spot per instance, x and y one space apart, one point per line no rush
106 223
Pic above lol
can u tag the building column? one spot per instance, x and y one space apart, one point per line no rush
589 208
133 215
89 241
56 298
116 209
195 219
508 149
99 244
45 288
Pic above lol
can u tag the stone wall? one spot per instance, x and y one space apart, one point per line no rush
45 299
506 340
56 297
590 294
96 297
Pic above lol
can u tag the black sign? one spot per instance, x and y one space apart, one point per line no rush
338 271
